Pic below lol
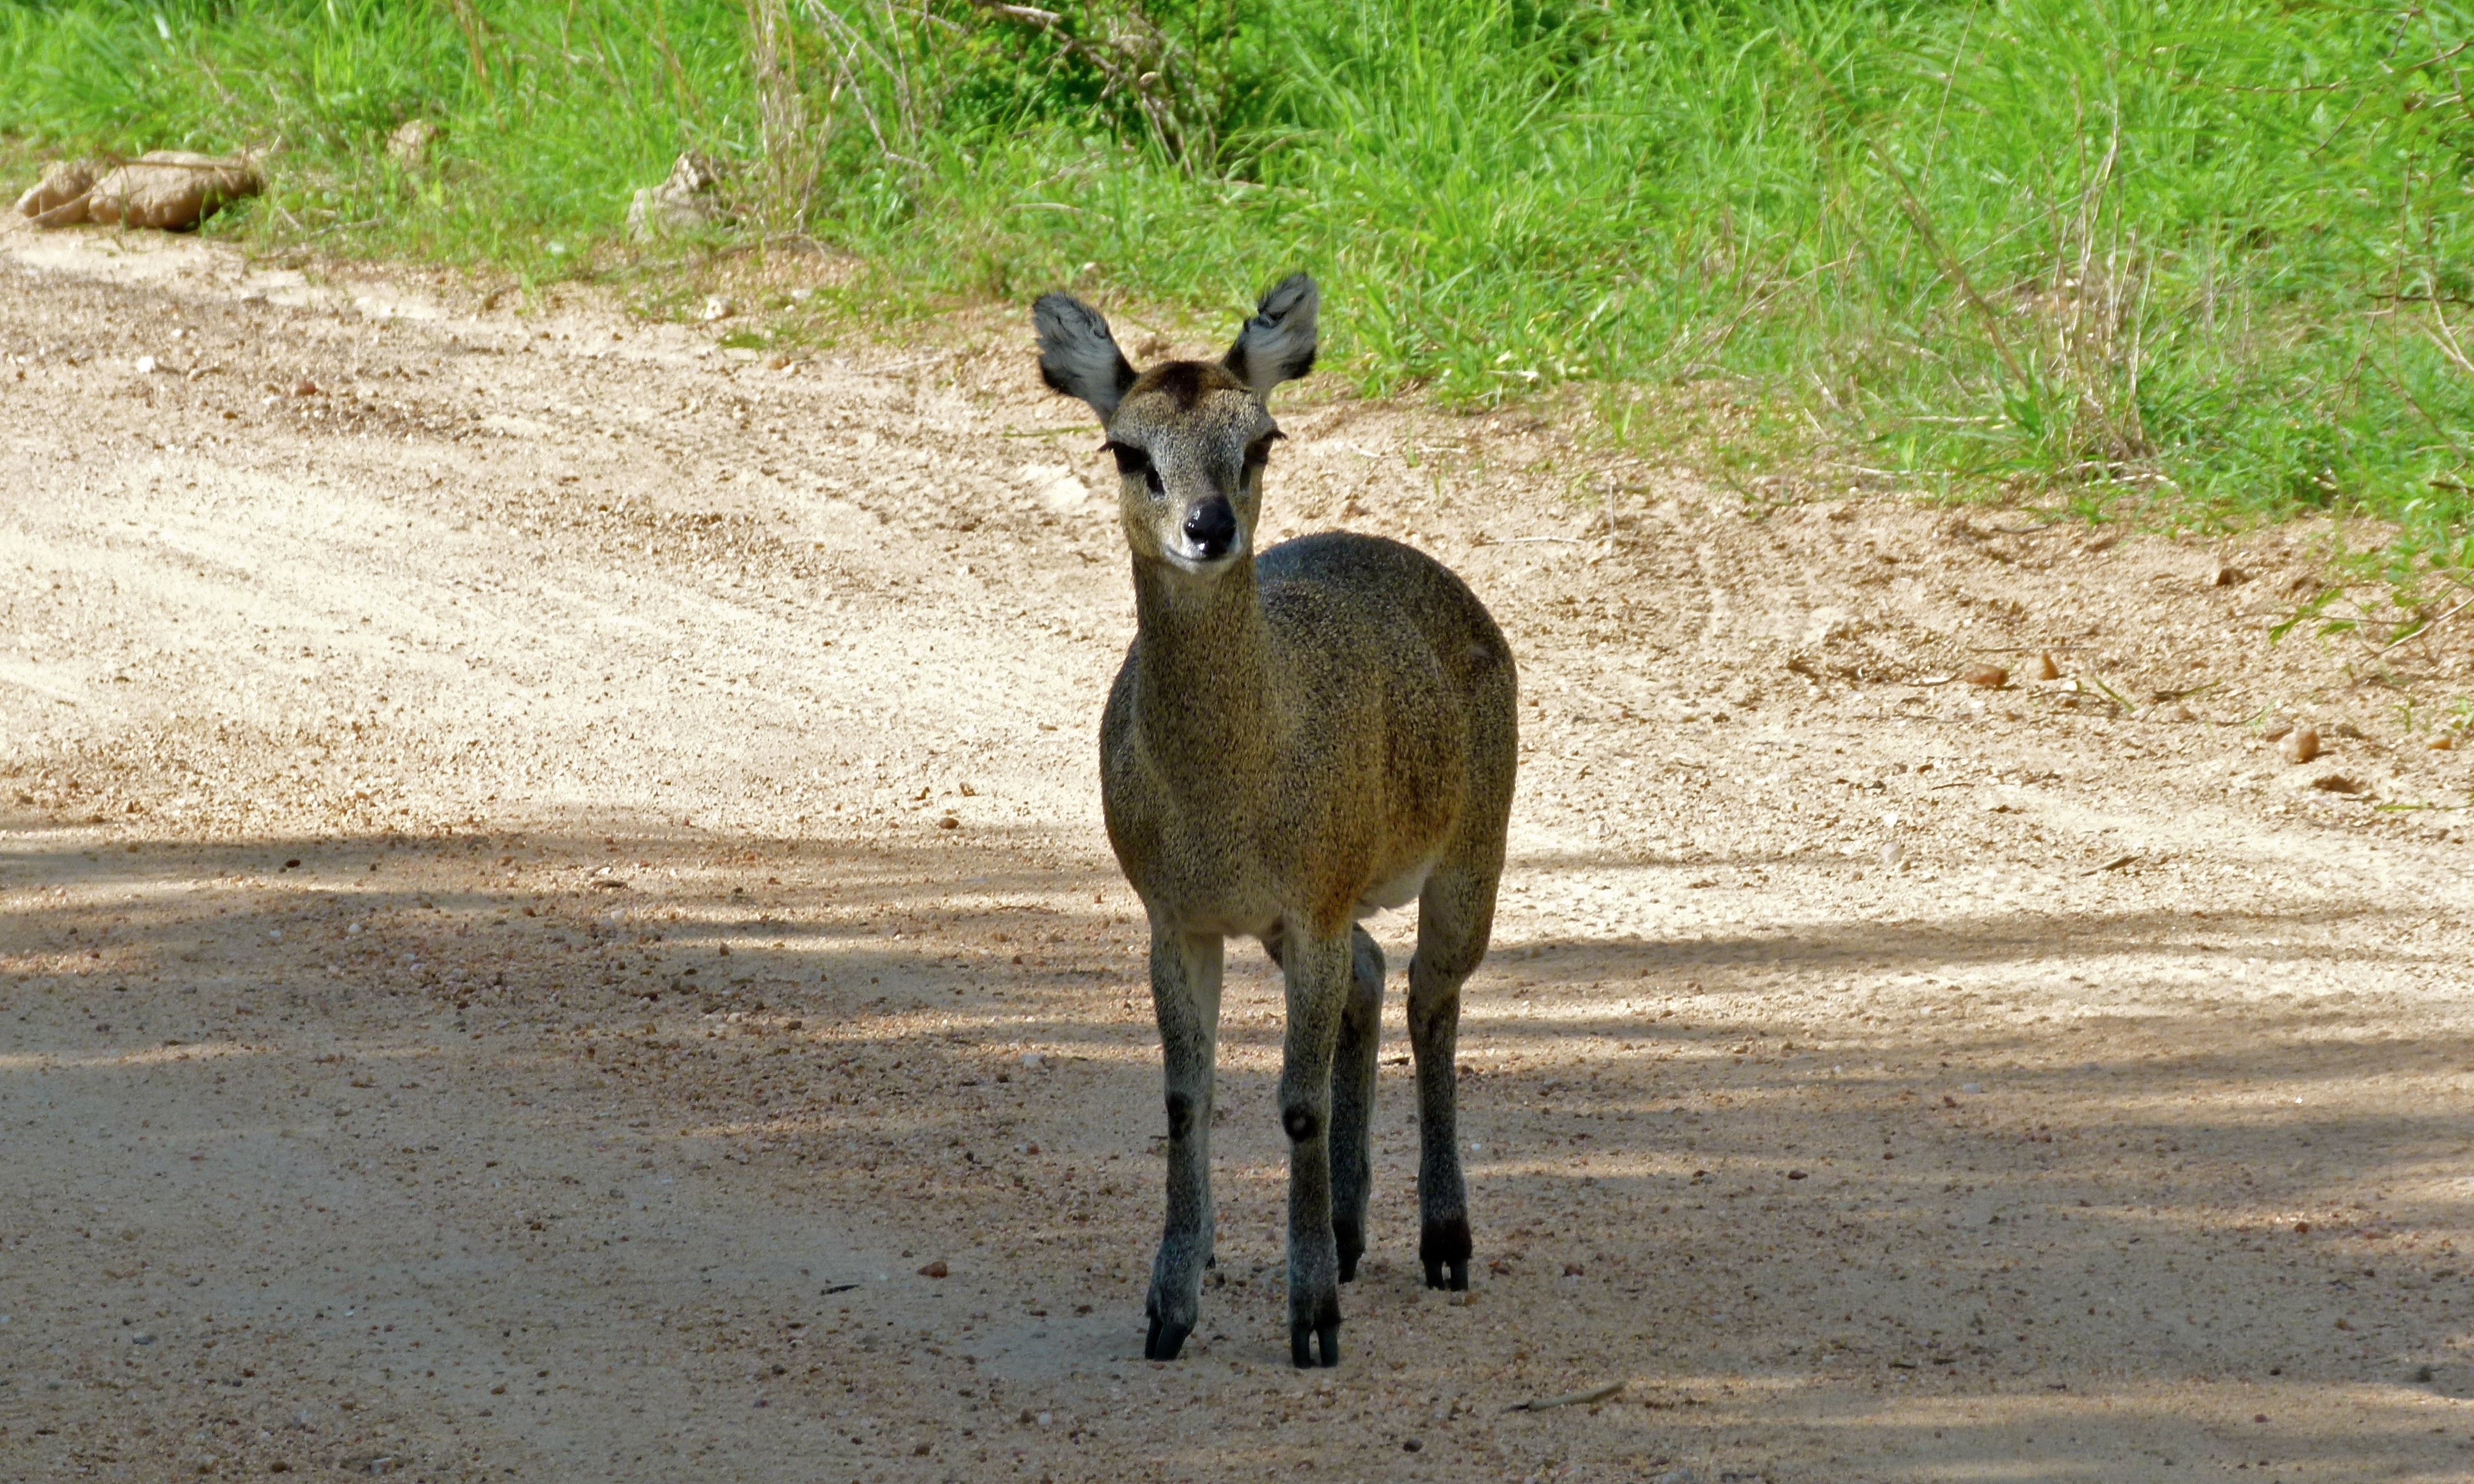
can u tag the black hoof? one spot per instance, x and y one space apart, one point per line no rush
1460 1277
1302 1339
1165 1340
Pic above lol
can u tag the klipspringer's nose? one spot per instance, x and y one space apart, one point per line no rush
1211 529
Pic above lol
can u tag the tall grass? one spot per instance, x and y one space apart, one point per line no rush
2208 257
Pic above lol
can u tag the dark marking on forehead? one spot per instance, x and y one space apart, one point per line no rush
1186 382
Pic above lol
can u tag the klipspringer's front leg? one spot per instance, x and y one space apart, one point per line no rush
1352 1101
1185 996
1317 971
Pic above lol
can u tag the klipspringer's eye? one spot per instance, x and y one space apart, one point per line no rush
1132 460
1259 452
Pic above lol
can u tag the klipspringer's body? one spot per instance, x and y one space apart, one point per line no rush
1297 739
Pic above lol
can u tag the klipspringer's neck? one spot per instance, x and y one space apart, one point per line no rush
1201 665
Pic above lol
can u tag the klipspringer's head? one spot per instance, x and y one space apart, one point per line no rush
1190 436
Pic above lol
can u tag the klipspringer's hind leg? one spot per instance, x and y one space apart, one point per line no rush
1455 916
1185 995
1317 971
1352 1101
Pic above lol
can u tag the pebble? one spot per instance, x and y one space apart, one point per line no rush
2225 575
1971 1086
1992 677
2276 729
2044 669
305 387
935 1269
2441 743
2300 745
145 365
1893 853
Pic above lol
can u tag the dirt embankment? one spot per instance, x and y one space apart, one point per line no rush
549 874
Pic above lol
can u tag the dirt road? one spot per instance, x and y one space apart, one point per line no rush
553 925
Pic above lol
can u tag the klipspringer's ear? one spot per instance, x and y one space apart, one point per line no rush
1279 344
1077 356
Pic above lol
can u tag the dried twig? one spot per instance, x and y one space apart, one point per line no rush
1568 1399
2419 629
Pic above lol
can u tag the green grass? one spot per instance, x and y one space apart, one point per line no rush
2205 262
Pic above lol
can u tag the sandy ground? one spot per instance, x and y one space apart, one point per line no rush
547 882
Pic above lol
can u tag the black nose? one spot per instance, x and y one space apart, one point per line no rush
1211 528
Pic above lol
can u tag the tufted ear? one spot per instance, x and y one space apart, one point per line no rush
1077 356
1279 344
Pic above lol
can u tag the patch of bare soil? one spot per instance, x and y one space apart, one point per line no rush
555 926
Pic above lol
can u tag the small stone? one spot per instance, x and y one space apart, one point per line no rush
935 1269
1412 1445
2044 669
1893 853
142 1337
1034 1059
2441 743
1992 677
145 366
687 202
1971 1086
409 145
949 823
2171 711
1797 1175
2225 575
1572 1270
306 387
2300 745
2275 729
2339 783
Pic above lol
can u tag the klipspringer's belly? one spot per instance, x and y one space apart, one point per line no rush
1397 891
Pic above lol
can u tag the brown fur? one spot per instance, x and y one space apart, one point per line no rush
1296 739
